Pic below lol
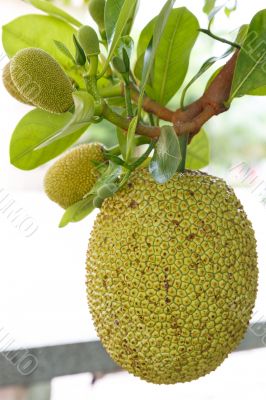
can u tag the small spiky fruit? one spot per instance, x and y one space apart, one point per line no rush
10 86
88 40
96 9
73 175
41 80
172 276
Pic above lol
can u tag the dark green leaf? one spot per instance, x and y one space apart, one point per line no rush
172 55
250 72
51 9
80 55
122 140
131 143
167 156
112 12
198 151
32 130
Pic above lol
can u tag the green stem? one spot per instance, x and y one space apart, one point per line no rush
128 101
183 141
111 91
212 35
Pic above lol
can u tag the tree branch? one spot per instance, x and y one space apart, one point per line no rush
188 120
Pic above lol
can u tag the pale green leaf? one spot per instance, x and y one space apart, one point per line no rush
198 151
32 130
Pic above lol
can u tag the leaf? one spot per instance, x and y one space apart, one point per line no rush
122 140
167 156
150 53
84 111
111 14
250 71
172 55
198 151
131 144
64 50
34 128
124 16
209 6
77 211
41 31
51 9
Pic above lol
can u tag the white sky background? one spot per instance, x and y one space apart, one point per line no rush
42 297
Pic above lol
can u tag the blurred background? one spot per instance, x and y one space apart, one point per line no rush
43 298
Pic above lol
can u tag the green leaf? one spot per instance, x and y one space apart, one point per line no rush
122 140
250 71
41 31
131 143
150 53
209 6
198 151
51 9
81 119
64 50
172 55
111 15
77 211
167 156
124 16
32 130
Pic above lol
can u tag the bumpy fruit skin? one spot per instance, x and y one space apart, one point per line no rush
73 175
40 79
10 86
172 276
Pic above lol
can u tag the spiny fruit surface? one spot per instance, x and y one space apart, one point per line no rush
40 79
10 86
73 175
172 276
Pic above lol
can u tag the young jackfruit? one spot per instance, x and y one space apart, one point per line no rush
172 276
96 9
73 175
10 86
89 41
40 79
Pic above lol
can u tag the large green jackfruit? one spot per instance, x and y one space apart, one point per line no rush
73 175
41 80
172 276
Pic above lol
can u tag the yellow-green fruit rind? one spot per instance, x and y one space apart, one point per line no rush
73 175
88 40
10 86
96 9
41 80
172 276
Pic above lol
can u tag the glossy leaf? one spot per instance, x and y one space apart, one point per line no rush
40 31
150 53
167 156
81 119
51 9
198 151
172 55
64 50
111 14
32 130
125 14
250 72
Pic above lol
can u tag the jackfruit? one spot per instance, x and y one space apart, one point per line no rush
10 87
172 275
41 80
73 175
96 9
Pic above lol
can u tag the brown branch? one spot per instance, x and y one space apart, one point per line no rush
193 117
